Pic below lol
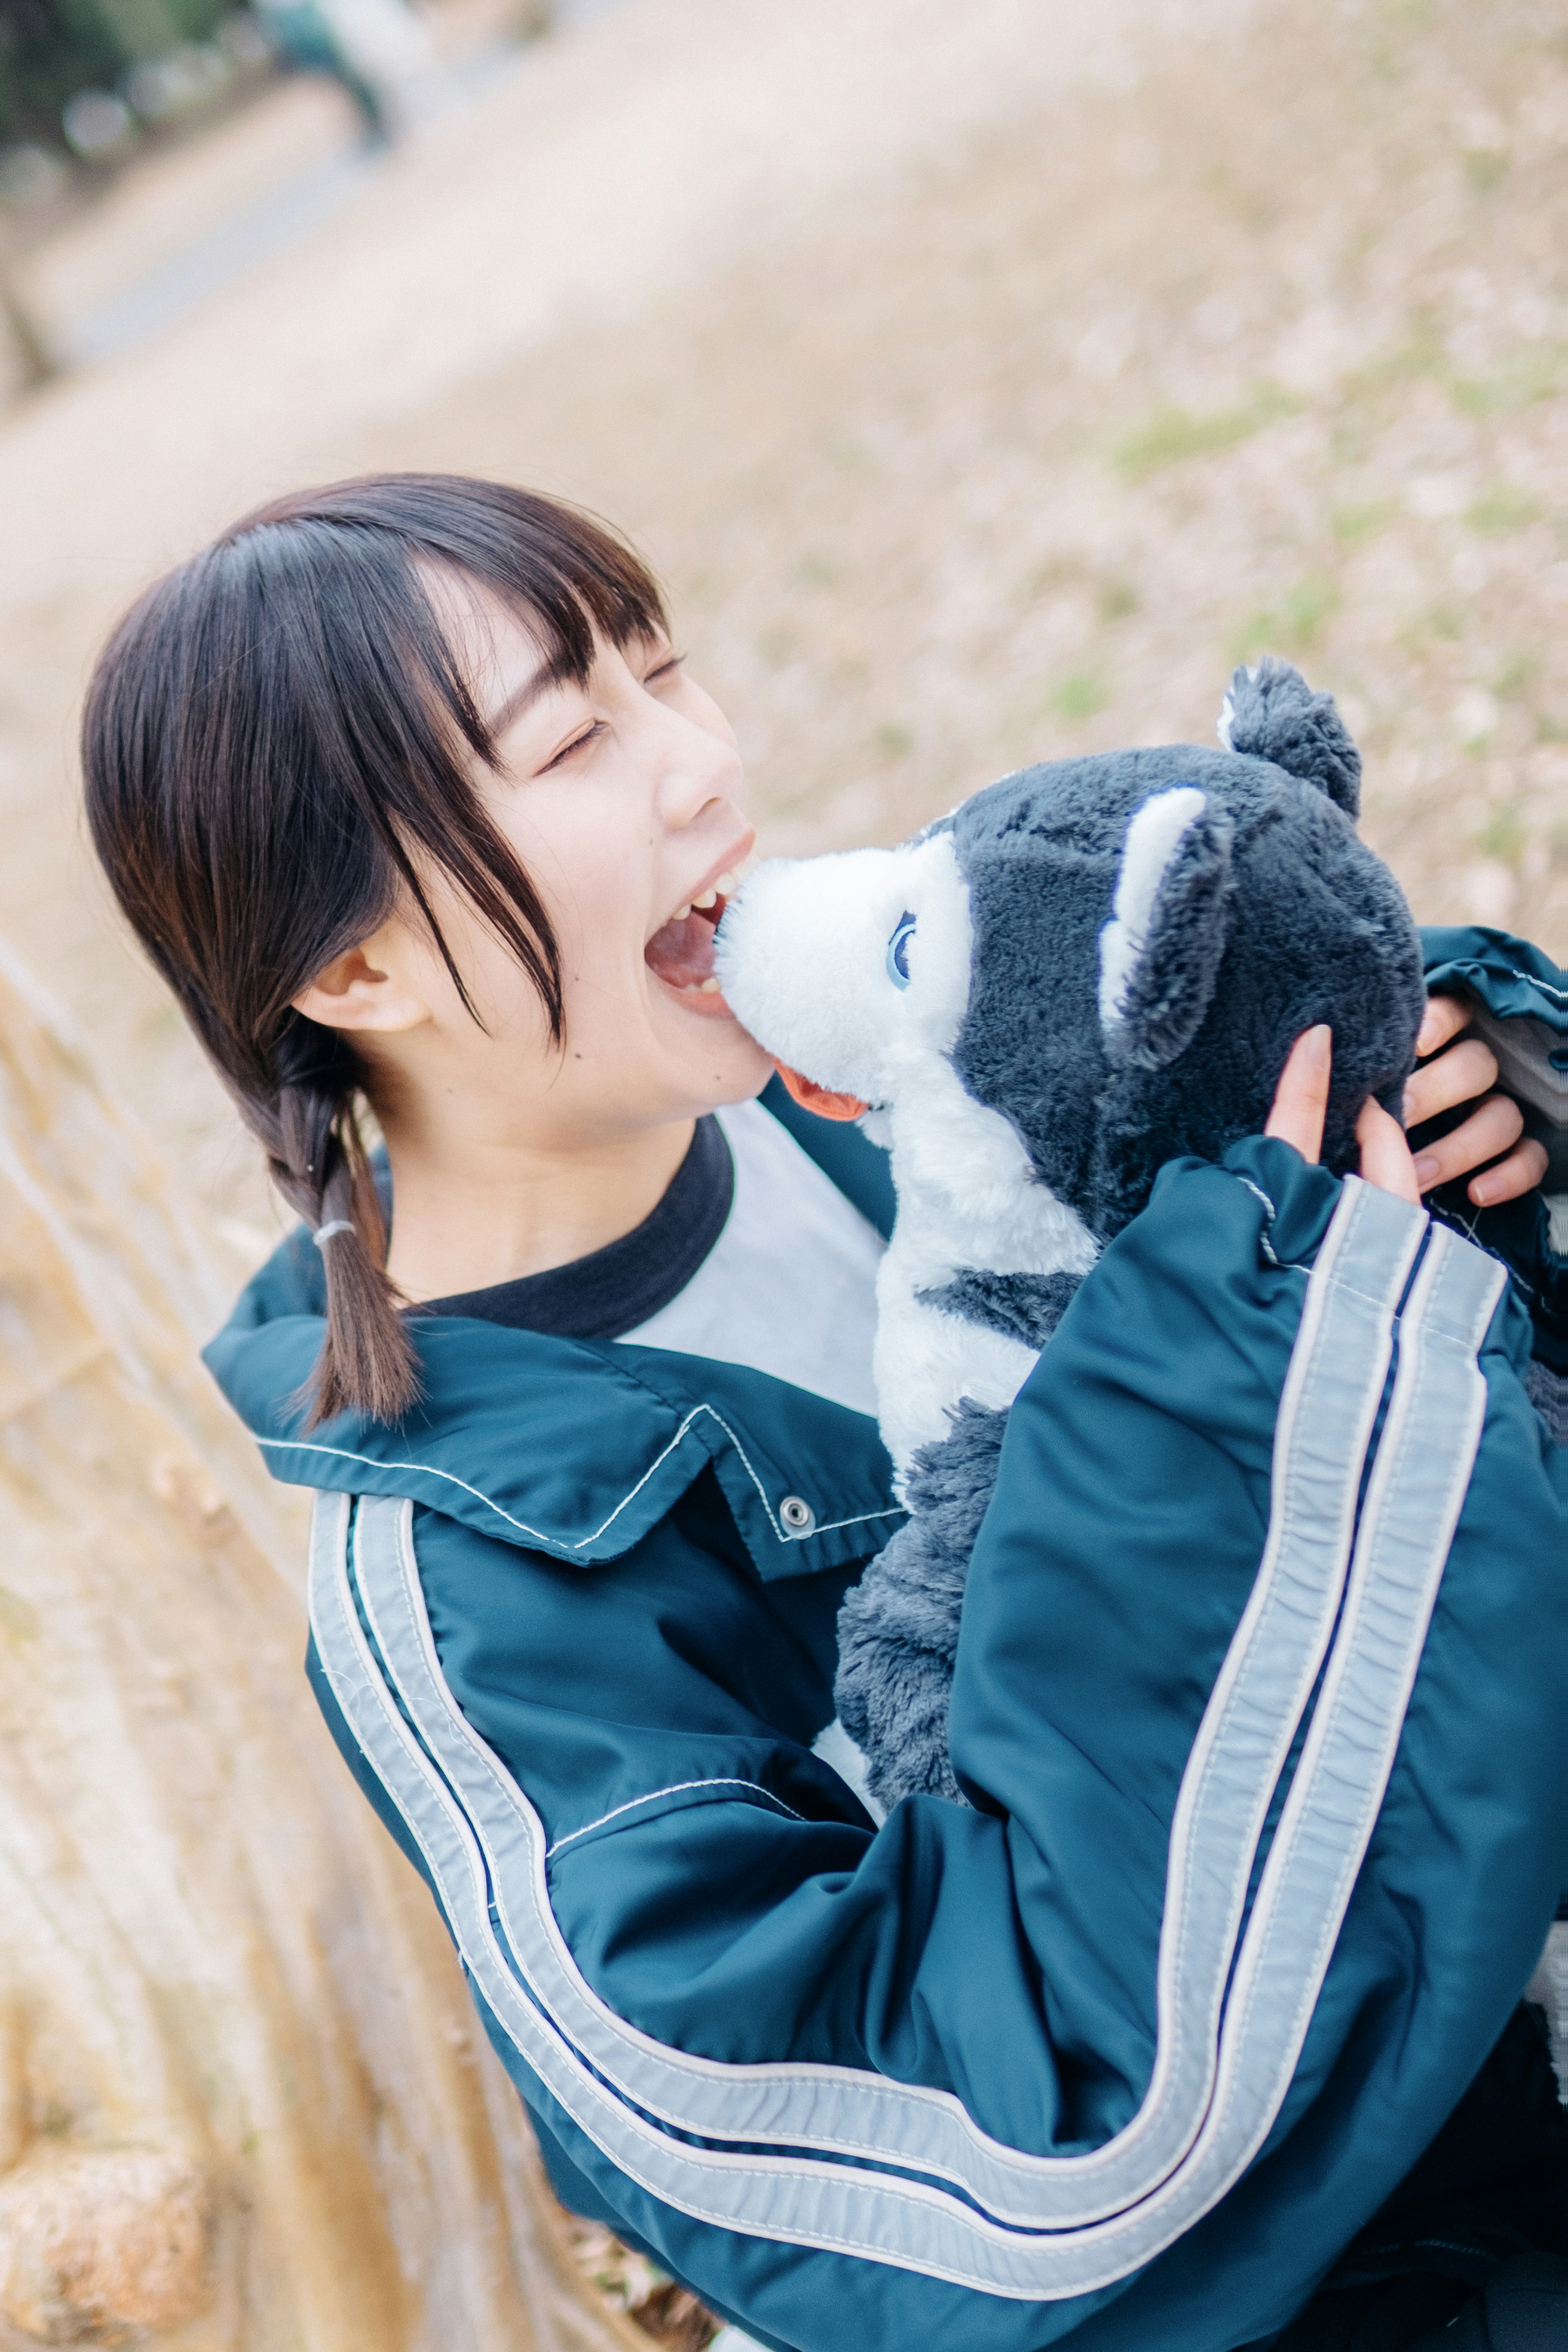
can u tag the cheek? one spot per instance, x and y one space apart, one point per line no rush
584 857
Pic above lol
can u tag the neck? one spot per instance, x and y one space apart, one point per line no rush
492 1208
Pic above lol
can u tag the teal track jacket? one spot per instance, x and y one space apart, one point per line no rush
1262 1704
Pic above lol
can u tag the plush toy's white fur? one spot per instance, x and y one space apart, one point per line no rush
967 1196
1151 842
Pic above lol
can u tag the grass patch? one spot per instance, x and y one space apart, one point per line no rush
1514 681
1502 510
1174 435
1438 621
1503 835
1532 373
18 1617
1420 353
1484 167
1078 695
1293 626
1353 525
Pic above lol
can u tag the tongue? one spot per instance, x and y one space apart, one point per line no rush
821 1099
682 953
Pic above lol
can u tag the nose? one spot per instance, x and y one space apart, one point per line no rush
696 767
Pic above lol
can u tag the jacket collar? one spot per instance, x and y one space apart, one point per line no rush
577 1448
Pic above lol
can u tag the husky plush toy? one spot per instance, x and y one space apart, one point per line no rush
1088 969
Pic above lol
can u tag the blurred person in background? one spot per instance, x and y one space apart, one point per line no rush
378 50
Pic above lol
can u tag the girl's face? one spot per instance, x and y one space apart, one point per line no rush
621 800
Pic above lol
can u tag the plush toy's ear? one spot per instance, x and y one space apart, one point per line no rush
1160 951
1272 712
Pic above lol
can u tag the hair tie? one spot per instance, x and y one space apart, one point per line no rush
324 1233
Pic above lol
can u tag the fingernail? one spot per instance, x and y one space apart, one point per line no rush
1425 1170
1426 1034
1320 1045
1482 1191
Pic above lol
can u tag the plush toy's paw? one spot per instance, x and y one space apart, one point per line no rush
1271 713
897 1629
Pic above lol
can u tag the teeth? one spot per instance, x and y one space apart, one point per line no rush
707 988
680 914
706 898
725 885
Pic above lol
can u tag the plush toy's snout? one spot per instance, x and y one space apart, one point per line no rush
851 969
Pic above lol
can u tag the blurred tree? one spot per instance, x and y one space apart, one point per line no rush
49 49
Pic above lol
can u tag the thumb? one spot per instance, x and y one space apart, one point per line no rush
1301 1097
1385 1159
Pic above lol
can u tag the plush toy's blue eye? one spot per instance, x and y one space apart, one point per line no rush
898 951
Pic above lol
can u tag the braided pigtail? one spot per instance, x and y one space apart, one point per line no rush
317 1159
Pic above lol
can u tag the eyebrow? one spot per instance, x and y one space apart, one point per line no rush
522 697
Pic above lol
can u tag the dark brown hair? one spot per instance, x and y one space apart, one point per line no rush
276 737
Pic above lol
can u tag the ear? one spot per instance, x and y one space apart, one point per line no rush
1160 951
1272 713
354 992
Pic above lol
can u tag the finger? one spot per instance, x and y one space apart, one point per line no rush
1445 1017
1492 1128
1520 1172
1301 1097
1458 1077
1385 1159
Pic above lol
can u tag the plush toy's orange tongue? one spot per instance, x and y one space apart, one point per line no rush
821 1099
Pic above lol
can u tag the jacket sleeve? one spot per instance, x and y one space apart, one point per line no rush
1521 1001
1137 2032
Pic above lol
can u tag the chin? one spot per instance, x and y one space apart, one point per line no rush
723 1064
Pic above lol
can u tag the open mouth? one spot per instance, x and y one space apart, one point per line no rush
681 952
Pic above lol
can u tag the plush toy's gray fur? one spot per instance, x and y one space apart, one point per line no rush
1271 916
1548 1392
897 1629
1025 1306
1273 713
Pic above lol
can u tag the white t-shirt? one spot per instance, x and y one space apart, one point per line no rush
789 1286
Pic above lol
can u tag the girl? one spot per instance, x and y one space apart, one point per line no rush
408 794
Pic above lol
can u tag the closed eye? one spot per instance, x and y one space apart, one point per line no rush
898 950
589 735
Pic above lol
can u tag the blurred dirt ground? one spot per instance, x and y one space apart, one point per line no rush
984 381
